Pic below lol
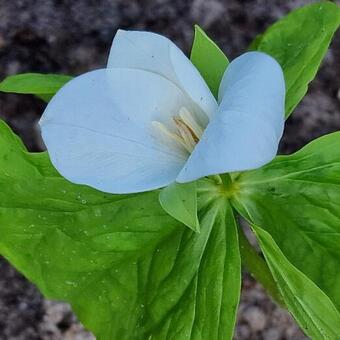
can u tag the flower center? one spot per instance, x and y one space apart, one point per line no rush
188 130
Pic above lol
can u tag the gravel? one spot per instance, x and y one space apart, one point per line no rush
72 37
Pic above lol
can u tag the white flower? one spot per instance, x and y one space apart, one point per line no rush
149 119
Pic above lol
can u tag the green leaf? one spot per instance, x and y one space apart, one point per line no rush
208 307
255 43
296 199
44 86
254 263
312 308
129 270
299 42
208 59
180 201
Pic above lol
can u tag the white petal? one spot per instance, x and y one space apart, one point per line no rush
245 132
155 53
98 130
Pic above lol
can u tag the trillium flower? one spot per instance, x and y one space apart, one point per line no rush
149 118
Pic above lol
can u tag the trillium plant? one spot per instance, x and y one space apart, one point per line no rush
132 215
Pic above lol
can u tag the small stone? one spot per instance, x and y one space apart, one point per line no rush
206 12
272 334
55 311
256 318
77 332
243 332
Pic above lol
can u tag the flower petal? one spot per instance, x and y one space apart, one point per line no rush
98 130
245 132
155 53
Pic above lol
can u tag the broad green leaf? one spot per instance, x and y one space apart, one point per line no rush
44 86
208 309
299 42
129 269
311 307
208 59
255 43
296 199
180 201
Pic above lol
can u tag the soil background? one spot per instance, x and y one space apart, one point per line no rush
72 37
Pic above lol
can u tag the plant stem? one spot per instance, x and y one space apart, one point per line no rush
251 259
258 268
226 181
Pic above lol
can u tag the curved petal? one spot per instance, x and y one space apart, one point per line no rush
245 131
155 53
98 130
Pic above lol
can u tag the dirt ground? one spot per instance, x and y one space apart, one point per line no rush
72 37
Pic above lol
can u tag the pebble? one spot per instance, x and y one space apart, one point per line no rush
255 318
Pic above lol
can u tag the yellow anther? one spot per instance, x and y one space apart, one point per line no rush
163 129
188 130
186 134
190 121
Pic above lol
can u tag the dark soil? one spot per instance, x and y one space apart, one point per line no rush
72 37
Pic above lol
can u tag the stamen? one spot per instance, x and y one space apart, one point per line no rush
189 131
162 128
186 134
190 121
